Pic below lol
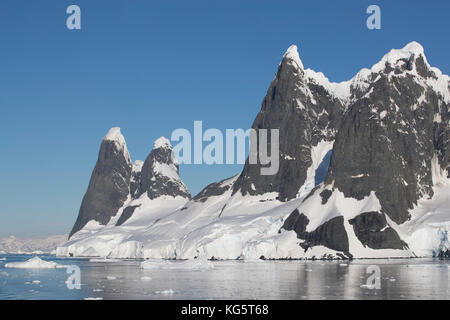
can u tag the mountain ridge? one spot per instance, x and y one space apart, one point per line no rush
360 146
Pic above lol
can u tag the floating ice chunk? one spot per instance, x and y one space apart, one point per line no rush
34 263
35 282
168 292
146 278
111 278
93 298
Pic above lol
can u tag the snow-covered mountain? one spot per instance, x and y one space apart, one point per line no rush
31 245
364 172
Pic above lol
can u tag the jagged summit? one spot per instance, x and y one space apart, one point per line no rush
293 56
156 179
159 175
162 142
413 47
108 188
406 56
115 135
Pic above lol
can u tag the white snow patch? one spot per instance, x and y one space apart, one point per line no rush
162 142
318 154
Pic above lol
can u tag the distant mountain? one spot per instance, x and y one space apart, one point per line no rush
364 172
31 245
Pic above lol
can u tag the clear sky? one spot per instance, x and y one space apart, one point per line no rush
150 67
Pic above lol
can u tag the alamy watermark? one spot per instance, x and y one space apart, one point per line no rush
74 280
374 20
228 148
73 21
374 280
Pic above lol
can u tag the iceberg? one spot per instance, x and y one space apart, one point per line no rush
35 263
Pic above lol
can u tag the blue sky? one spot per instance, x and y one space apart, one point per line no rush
153 66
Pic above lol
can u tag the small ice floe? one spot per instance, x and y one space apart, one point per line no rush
97 290
343 265
146 278
3 259
111 278
196 264
392 280
35 282
167 292
93 298
34 263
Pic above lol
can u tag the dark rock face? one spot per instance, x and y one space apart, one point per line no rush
330 234
387 142
126 214
305 113
157 176
444 254
109 186
297 222
156 179
135 178
372 230
115 180
213 189
325 195
393 131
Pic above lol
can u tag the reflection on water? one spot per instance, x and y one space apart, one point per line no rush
399 279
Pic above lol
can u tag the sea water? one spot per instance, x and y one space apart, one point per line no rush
298 280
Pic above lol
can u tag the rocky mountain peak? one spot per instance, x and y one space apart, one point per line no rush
162 142
109 186
115 137
159 175
291 56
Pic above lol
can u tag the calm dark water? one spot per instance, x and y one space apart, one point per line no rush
398 279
